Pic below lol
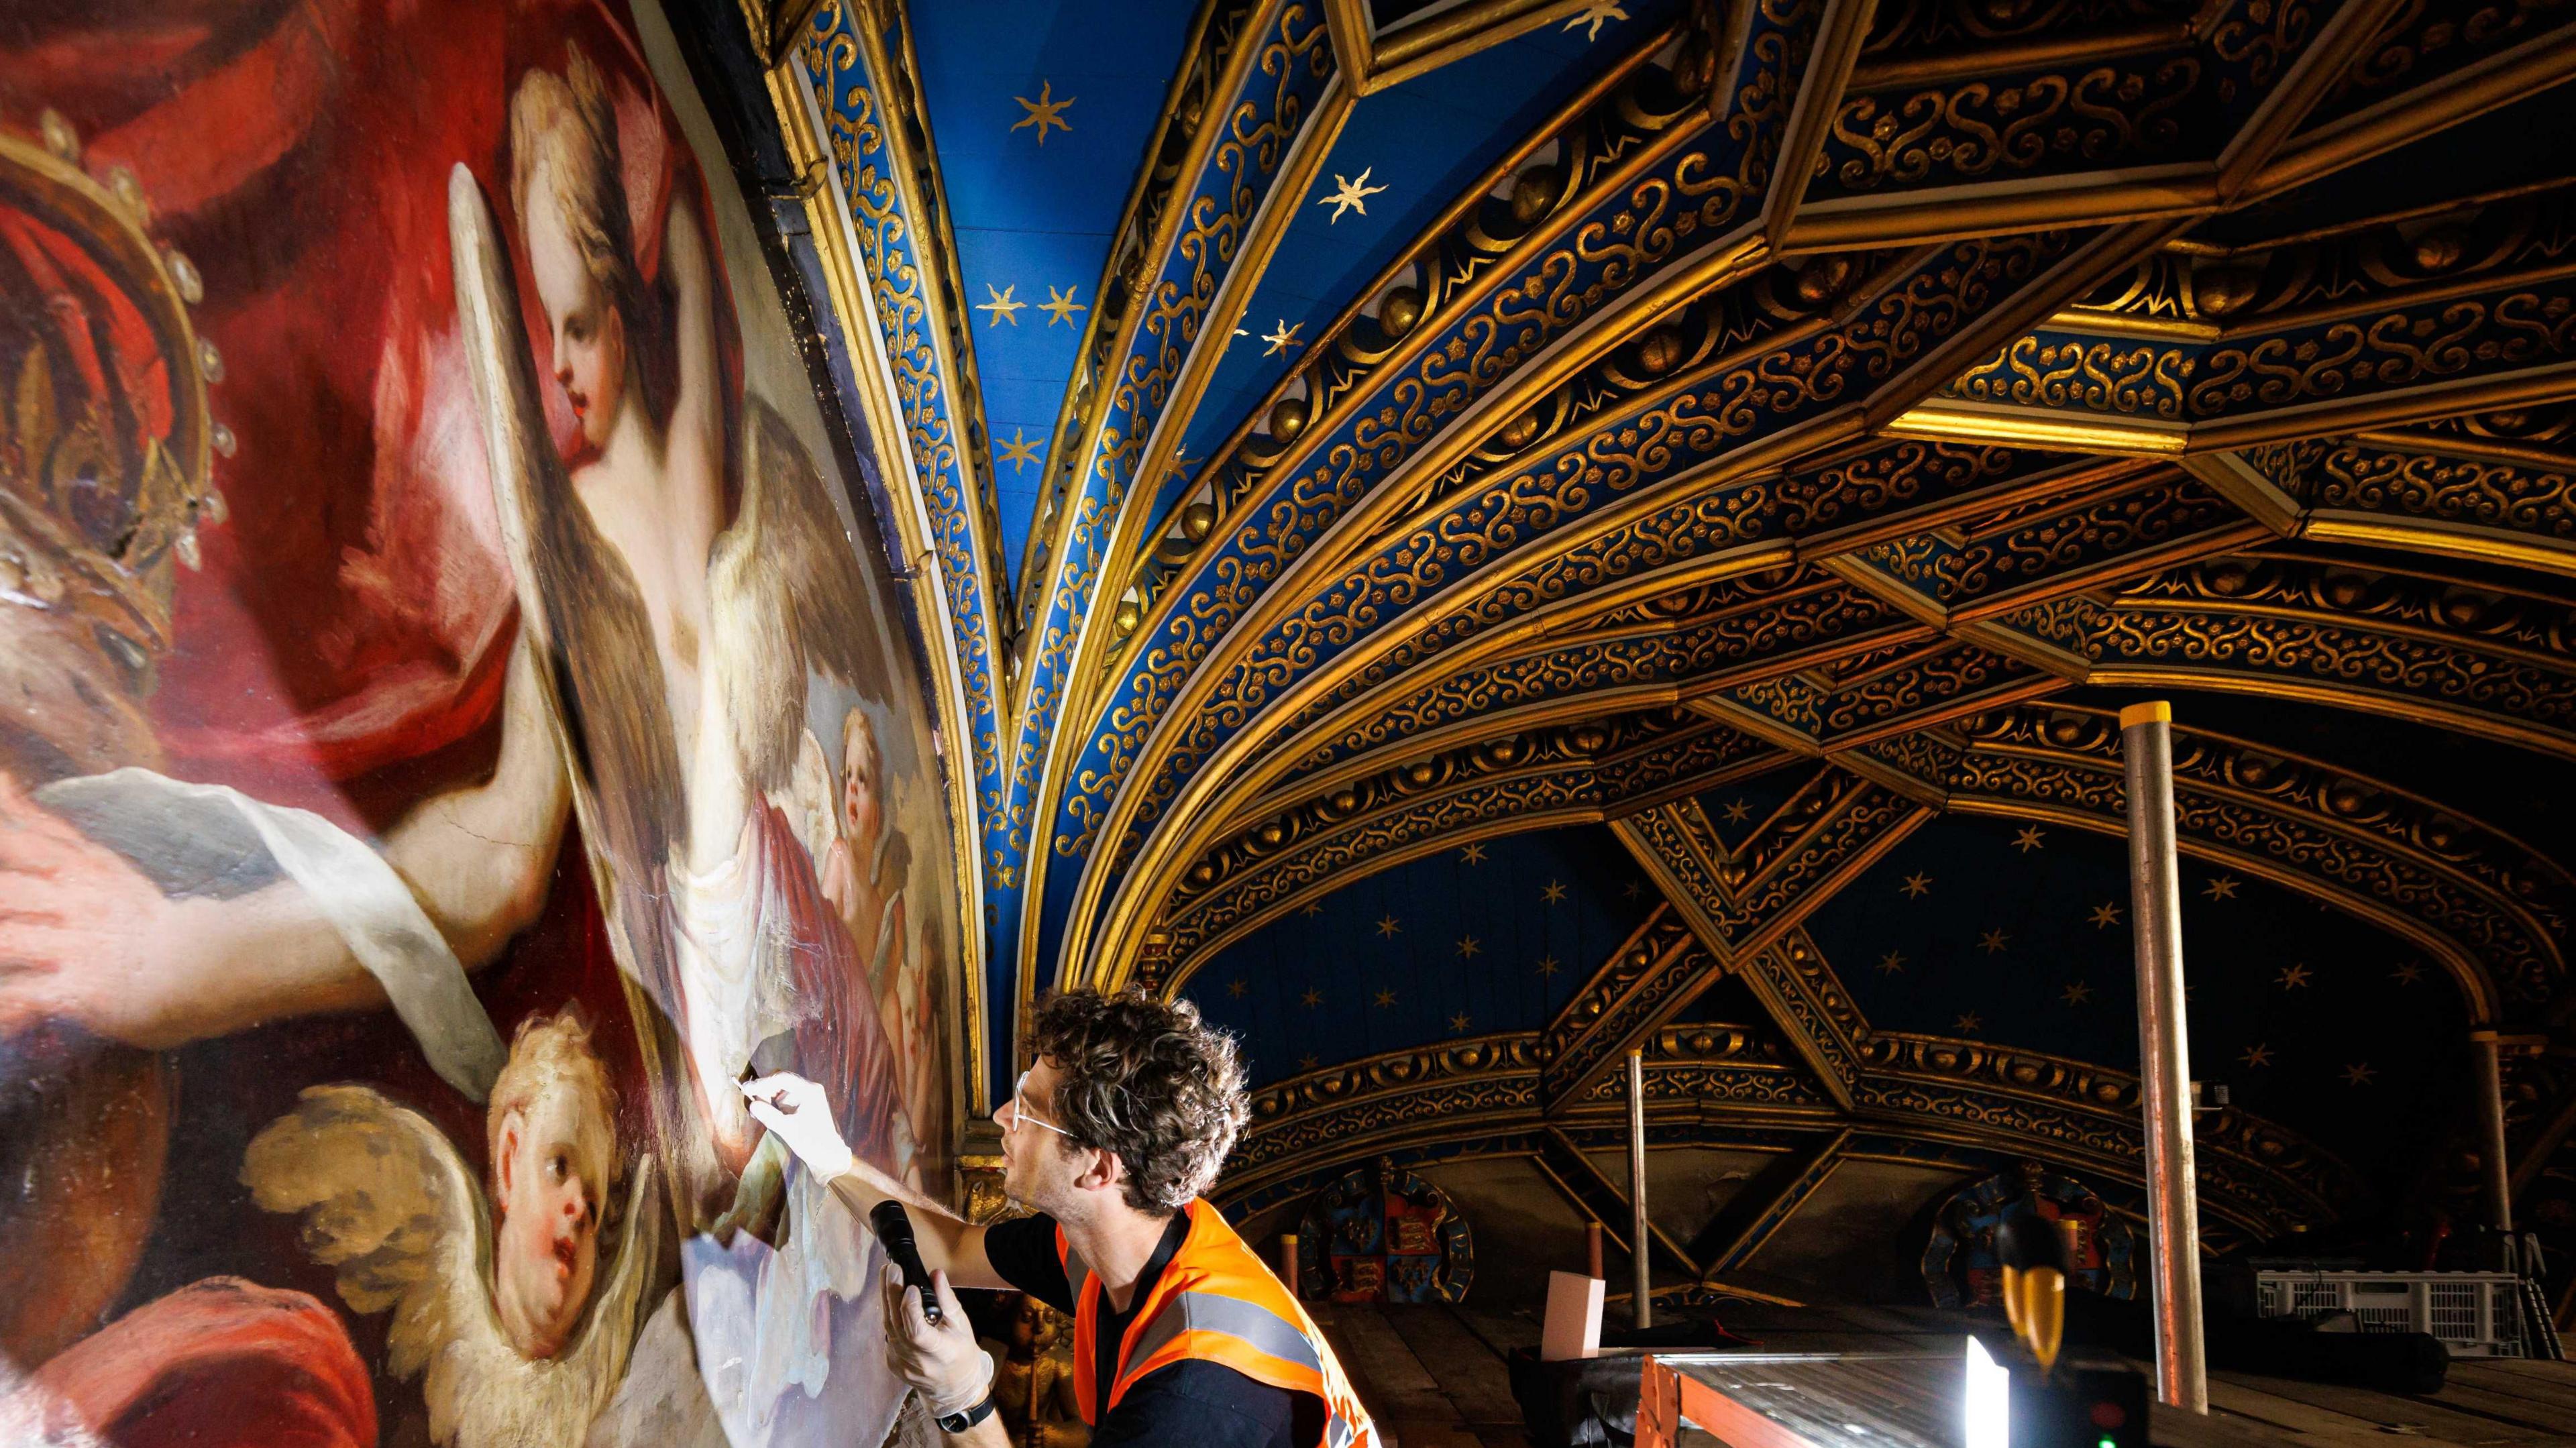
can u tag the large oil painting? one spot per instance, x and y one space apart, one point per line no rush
456 722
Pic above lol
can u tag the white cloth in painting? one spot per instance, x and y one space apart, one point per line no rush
365 901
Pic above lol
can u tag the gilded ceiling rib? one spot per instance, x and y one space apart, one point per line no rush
1743 906
2505 76
865 223
1273 79
1720 1085
2482 903
1451 253
898 216
1254 555
1735 1249
1578 774
1097 632
1848 344
2460 653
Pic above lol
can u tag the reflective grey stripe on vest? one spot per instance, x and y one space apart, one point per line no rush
1209 1312
1265 1330
1075 1275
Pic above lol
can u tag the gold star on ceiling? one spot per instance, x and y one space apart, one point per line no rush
1020 451
1468 949
1385 998
2106 915
1001 305
1738 812
2076 994
2358 1074
1968 1024
1309 1061
2292 977
1992 942
2407 974
1629 890
1350 195
1311 999
1311 907
1891 963
1060 305
1043 112
1915 884
1237 987
2028 840
1597 14
2222 888
1387 928
1473 854
1281 338
1458 1023
1547 965
2256 1056
1553 893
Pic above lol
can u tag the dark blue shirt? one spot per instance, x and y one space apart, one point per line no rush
1187 1404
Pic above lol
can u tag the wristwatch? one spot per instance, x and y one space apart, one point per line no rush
959 1422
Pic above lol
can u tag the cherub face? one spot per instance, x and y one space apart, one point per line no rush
547 1248
858 789
589 332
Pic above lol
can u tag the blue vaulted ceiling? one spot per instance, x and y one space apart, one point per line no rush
1039 113
1725 462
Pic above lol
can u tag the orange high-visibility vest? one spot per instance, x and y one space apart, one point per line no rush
1216 1302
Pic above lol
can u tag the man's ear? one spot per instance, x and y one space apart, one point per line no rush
1101 1169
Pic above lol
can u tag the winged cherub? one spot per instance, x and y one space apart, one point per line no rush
494 1311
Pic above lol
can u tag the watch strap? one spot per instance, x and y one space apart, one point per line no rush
960 1422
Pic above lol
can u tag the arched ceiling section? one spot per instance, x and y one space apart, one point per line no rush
1039 115
1824 407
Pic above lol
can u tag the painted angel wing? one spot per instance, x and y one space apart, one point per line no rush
388 1203
785 594
516 445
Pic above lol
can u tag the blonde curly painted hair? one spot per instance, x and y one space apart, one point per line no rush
552 1054
565 127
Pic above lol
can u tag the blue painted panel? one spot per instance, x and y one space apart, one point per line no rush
1033 219
1314 990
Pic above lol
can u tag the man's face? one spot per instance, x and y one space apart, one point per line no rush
1037 1167
547 1249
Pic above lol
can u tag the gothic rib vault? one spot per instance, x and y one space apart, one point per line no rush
1855 395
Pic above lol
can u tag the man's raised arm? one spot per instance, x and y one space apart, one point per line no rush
796 1111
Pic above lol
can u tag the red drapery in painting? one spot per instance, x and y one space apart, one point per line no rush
352 619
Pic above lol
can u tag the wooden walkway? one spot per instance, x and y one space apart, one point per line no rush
1435 1378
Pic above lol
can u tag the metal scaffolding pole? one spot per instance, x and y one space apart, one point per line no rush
2164 1057
1637 1182
2495 1168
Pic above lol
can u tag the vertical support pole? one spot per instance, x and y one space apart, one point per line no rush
2164 1057
1288 1262
1593 1265
1637 1183
2495 1180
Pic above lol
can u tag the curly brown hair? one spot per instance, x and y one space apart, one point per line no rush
1149 1080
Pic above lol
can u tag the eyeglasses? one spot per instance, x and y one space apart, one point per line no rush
1020 1111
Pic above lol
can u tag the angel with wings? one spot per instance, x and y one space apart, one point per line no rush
696 609
522 1329
697 606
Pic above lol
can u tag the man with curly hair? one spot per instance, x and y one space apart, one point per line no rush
1182 1337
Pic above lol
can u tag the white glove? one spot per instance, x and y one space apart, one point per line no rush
940 1360
794 1109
